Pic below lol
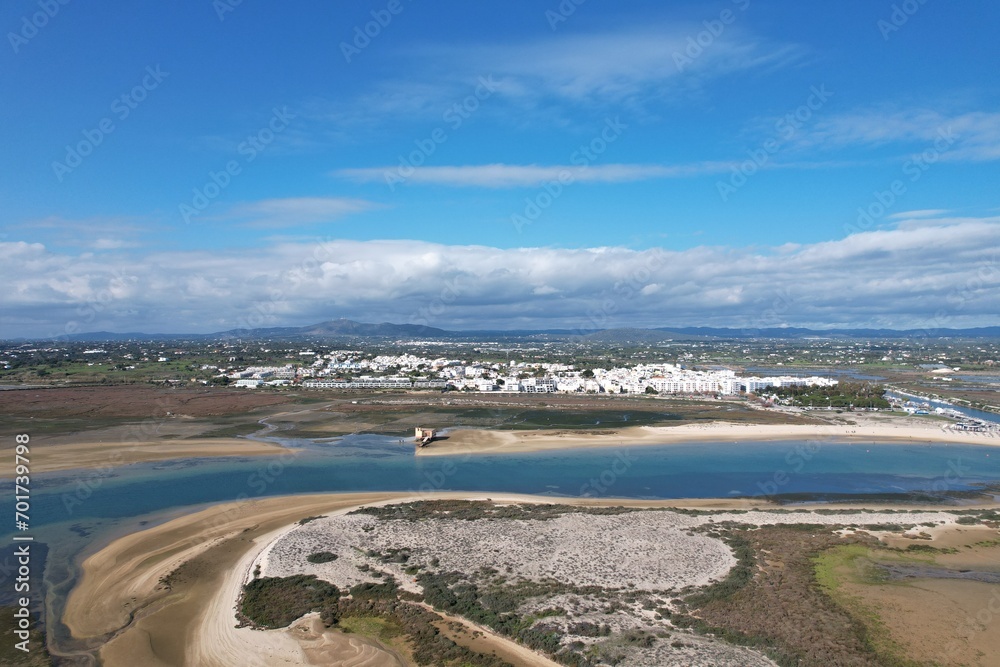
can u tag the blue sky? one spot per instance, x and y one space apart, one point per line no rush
501 164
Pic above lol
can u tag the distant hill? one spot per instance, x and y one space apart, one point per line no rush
341 328
344 327
796 332
349 329
111 336
632 335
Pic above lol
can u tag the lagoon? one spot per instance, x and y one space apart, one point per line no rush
74 514
379 463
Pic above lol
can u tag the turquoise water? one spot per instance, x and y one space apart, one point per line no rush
75 513
376 463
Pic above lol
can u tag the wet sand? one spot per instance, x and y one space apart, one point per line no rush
470 441
941 619
91 455
209 552
125 578
208 546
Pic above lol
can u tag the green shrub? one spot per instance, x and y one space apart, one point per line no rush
275 602
369 591
322 557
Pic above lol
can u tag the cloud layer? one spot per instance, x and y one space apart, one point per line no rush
971 136
921 276
531 175
641 70
295 211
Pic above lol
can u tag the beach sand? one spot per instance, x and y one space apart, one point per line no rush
210 553
215 546
52 454
90 455
471 441
126 577
940 621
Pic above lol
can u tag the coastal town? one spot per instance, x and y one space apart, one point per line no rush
348 370
619 416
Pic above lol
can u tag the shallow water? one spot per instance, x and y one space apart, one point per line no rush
378 463
897 572
75 513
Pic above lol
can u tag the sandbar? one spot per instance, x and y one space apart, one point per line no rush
473 441
122 606
91 455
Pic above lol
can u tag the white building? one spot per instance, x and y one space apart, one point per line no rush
752 385
538 385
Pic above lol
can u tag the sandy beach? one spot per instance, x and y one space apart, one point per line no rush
472 441
53 454
90 455
125 578
121 604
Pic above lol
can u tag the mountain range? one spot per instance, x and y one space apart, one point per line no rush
349 329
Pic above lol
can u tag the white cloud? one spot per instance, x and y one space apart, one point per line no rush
531 175
111 244
930 276
617 65
552 77
923 213
99 233
293 211
971 136
939 222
